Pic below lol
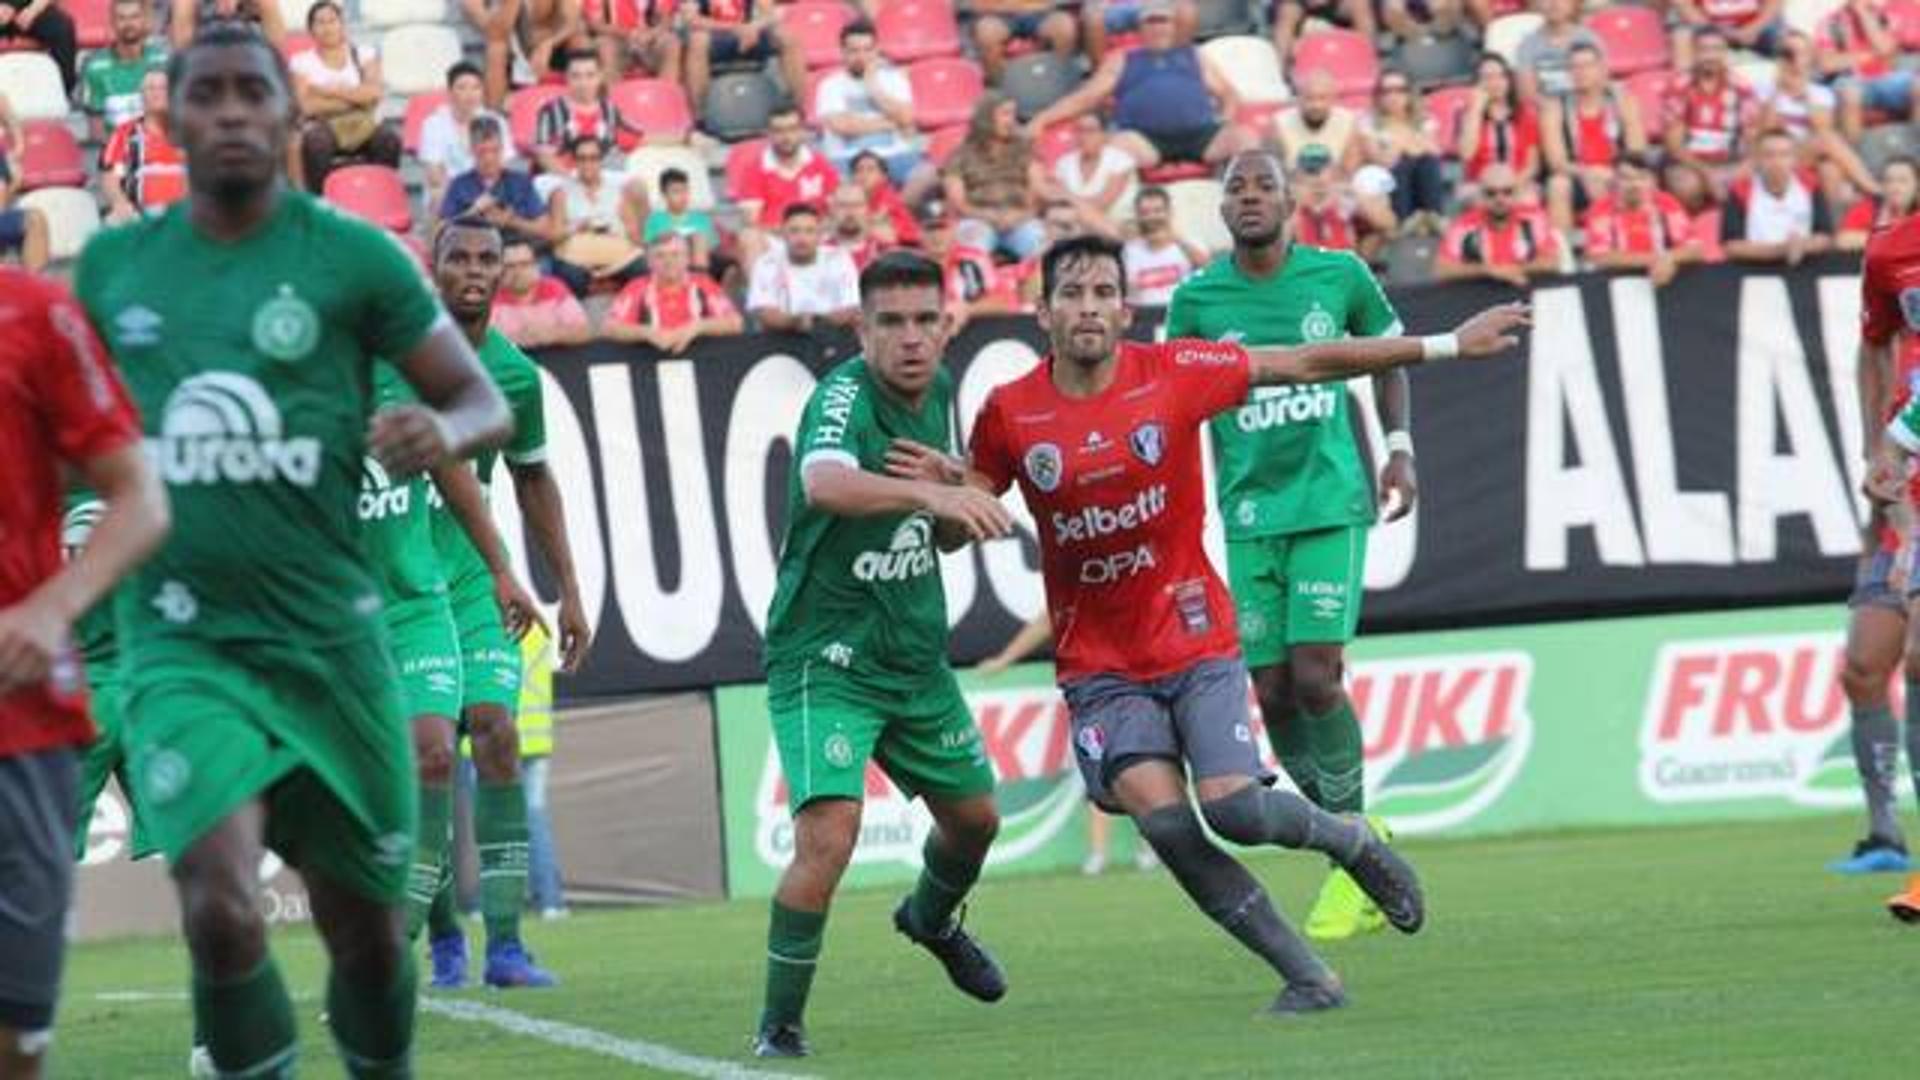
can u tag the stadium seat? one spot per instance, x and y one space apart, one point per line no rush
417 248
648 162
72 217
1409 259
740 159
50 156
1037 80
1220 18
945 91
1053 144
809 97
293 12
1807 15
1259 116
1437 61
92 22
1879 145
1750 68
738 105
1649 88
32 86
1196 213
815 25
380 14
1505 33
941 144
373 192
1444 107
1903 18
1176 171
419 107
911 30
523 112
296 42
1634 38
1251 65
415 58
1347 56
655 106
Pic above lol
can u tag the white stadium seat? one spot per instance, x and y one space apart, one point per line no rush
649 162
1251 66
1505 33
415 59
72 217
1196 213
381 13
294 14
1807 15
32 86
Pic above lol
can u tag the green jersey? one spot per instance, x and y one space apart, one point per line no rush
93 631
110 86
861 593
251 363
397 521
1286 461
519 381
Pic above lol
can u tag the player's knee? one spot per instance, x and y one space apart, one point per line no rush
1316 690
1864 681
223 927
825 835
1173 831
976 832
1273 685
373 954
435 761
1238 817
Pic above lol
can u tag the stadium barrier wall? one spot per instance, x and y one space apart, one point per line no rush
1660 450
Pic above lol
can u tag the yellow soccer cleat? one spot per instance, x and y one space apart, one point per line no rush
1343 909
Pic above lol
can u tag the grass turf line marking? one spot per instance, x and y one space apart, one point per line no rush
633 1051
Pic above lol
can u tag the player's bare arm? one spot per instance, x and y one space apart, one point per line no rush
539 498
1873 381
910 460
468 503
462 413
850 492
1486 335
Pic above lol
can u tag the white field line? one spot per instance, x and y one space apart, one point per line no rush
632 1051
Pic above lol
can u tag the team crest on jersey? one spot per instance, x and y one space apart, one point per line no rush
1044 466
286 328
1910 307
1318 325
1149 442
1092 742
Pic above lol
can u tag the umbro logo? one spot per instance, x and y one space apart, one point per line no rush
138 326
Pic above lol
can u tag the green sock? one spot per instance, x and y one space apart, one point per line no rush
430 850
500 831
373 1025
945 878
442 920
1337 747
248 1023
1287 731
793 951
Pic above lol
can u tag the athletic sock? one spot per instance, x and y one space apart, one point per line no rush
1337 758
442 919
1228 894
1876 754
793 952
430 851
945 878
500 832
1287 732
1260 815
373 1025
247 1023
1913 737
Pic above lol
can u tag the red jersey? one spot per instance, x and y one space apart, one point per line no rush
1115 486
1328 227
972 276
1595 138
1845 33
1661 225
1714 119
633 14
1509 142
768 181
646 302
1731 14
154 170
1475 238
60 401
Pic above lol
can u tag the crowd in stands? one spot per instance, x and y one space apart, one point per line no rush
669 171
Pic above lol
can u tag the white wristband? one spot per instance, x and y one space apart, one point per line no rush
1400 442
1439 347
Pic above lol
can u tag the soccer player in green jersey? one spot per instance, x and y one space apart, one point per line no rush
260 702
467 268
1294 494
857 646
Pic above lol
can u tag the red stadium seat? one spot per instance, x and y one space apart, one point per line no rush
912 30
1055 143
417 248
419 107
815 26
1258 116
945 91
1903 20
739 160
1349 57
373 192
1175 171
92 21
655 106
296 43
1649 89
50 156
1445 107
941 144
523 111
1634 38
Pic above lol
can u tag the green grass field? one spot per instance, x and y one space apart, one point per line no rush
1696 952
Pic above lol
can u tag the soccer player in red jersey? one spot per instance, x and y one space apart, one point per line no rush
61 404
1103 438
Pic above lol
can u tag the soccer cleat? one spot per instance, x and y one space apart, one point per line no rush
968 964
510 966
1095 865
1874 855
1388 880
1342 910
1299 998
781 1041
200 1064
1906 906
449 961
1145 859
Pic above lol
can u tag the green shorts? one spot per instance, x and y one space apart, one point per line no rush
826 727
1299 589
319 733
489 660
426 649
107 757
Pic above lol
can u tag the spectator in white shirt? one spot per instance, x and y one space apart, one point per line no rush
1096 175
800 284
868 105
1158 259
339 88
444 149
601 218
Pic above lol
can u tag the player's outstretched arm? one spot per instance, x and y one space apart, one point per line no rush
842 489
910 460
461 490
463 412
1485 335
539 498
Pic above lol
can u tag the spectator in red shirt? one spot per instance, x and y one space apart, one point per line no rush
855 229
1498 239
534 309
62 406
1754 25
1585 135
1777 214
996 23
1709 114
870 175
1640 227
1327 214
975 286
1498 127
671 307
1856 51
788 171
635 37
726 31
141 170
1899 196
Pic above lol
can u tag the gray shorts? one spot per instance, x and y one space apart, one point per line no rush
1873 580
1198 716
39 798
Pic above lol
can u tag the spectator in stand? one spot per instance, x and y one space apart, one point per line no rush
1498 239
1584 135
1288 15
1899 196
502 197
787 172
142 171
1696 193
1640 227
1157 259
585 110
534 309
600 218
1709 113
1095 175
997 23
1411 20
339 88
635 37
1499 127
1397 135
1754 25
1319 121
1544 61
870 174
1023 279
800 284
189 15
110 80
42 22
975 285
546 30
1101 19
1170 103
726 31
672 307
1792 101
1329 213
443 135
12 136
1775 214
994 182
1856 51
677 216
23 230
867 106
855 229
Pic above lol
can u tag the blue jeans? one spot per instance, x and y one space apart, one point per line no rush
543 865
1891 93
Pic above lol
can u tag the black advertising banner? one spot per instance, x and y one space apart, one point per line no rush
1687 447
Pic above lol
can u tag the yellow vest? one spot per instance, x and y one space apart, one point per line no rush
536 694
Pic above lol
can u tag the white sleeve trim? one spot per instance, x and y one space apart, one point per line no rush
1903 436
828 456
535 456
1396 328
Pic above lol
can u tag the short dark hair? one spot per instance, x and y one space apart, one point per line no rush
580 139
227 34
463 67
1087 247
853 166
799 209
484 128
1585 47
856 28
671 176
784 109
1152 191
901 270
464 221
322 5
